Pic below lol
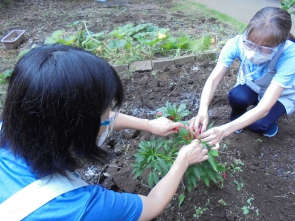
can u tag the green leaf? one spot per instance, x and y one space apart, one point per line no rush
122 31
143 26
196 45
206 41
54 37
163 164
185 113
57 34
116 44
153 143
245 210
137 174
143 144
7 73
169 106
197 171
206 180
182 42
164 111
221 168
189 187
155 177
150 158
168 46
181 199
157 166
160 142
212 162
211 175
181 108
154 42
194 181
214 153
164 30
98 35
150 180
62 41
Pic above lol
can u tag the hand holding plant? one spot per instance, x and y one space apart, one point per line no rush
158 155
163 126
199 122
213 136
192 153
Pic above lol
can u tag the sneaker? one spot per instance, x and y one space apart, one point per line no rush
272 131
239 131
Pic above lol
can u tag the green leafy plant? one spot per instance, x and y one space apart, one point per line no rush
200 210
259 140
240 185
236 166
247 208
181 199
287 4
130 43
172 112
4 76
157 155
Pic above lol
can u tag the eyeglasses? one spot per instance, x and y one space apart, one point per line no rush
262 49
110 121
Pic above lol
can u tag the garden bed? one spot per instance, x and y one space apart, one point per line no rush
260 176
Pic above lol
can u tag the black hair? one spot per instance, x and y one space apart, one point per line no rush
52 113
270 26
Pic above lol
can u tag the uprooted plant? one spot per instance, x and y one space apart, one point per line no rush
128 43
131 43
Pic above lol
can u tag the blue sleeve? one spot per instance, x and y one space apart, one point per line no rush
285 67
230 52
108 205
92 202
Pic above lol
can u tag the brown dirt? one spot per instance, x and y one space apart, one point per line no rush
262 167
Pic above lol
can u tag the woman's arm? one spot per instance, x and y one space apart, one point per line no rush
216 134
163 192
160 126
207 94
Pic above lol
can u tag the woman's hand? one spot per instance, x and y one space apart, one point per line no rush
163 192
193 153
163 126
213 136
199 123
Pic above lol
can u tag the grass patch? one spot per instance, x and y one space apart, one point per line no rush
193 7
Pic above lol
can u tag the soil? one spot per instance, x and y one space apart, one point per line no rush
260 171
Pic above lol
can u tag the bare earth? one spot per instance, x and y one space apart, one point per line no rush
260 168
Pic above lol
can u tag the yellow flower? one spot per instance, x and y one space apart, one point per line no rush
212 40
161 36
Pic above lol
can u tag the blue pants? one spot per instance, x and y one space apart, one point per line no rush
241 97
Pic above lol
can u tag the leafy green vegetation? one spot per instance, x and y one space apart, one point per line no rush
157 155
287 4
130 43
